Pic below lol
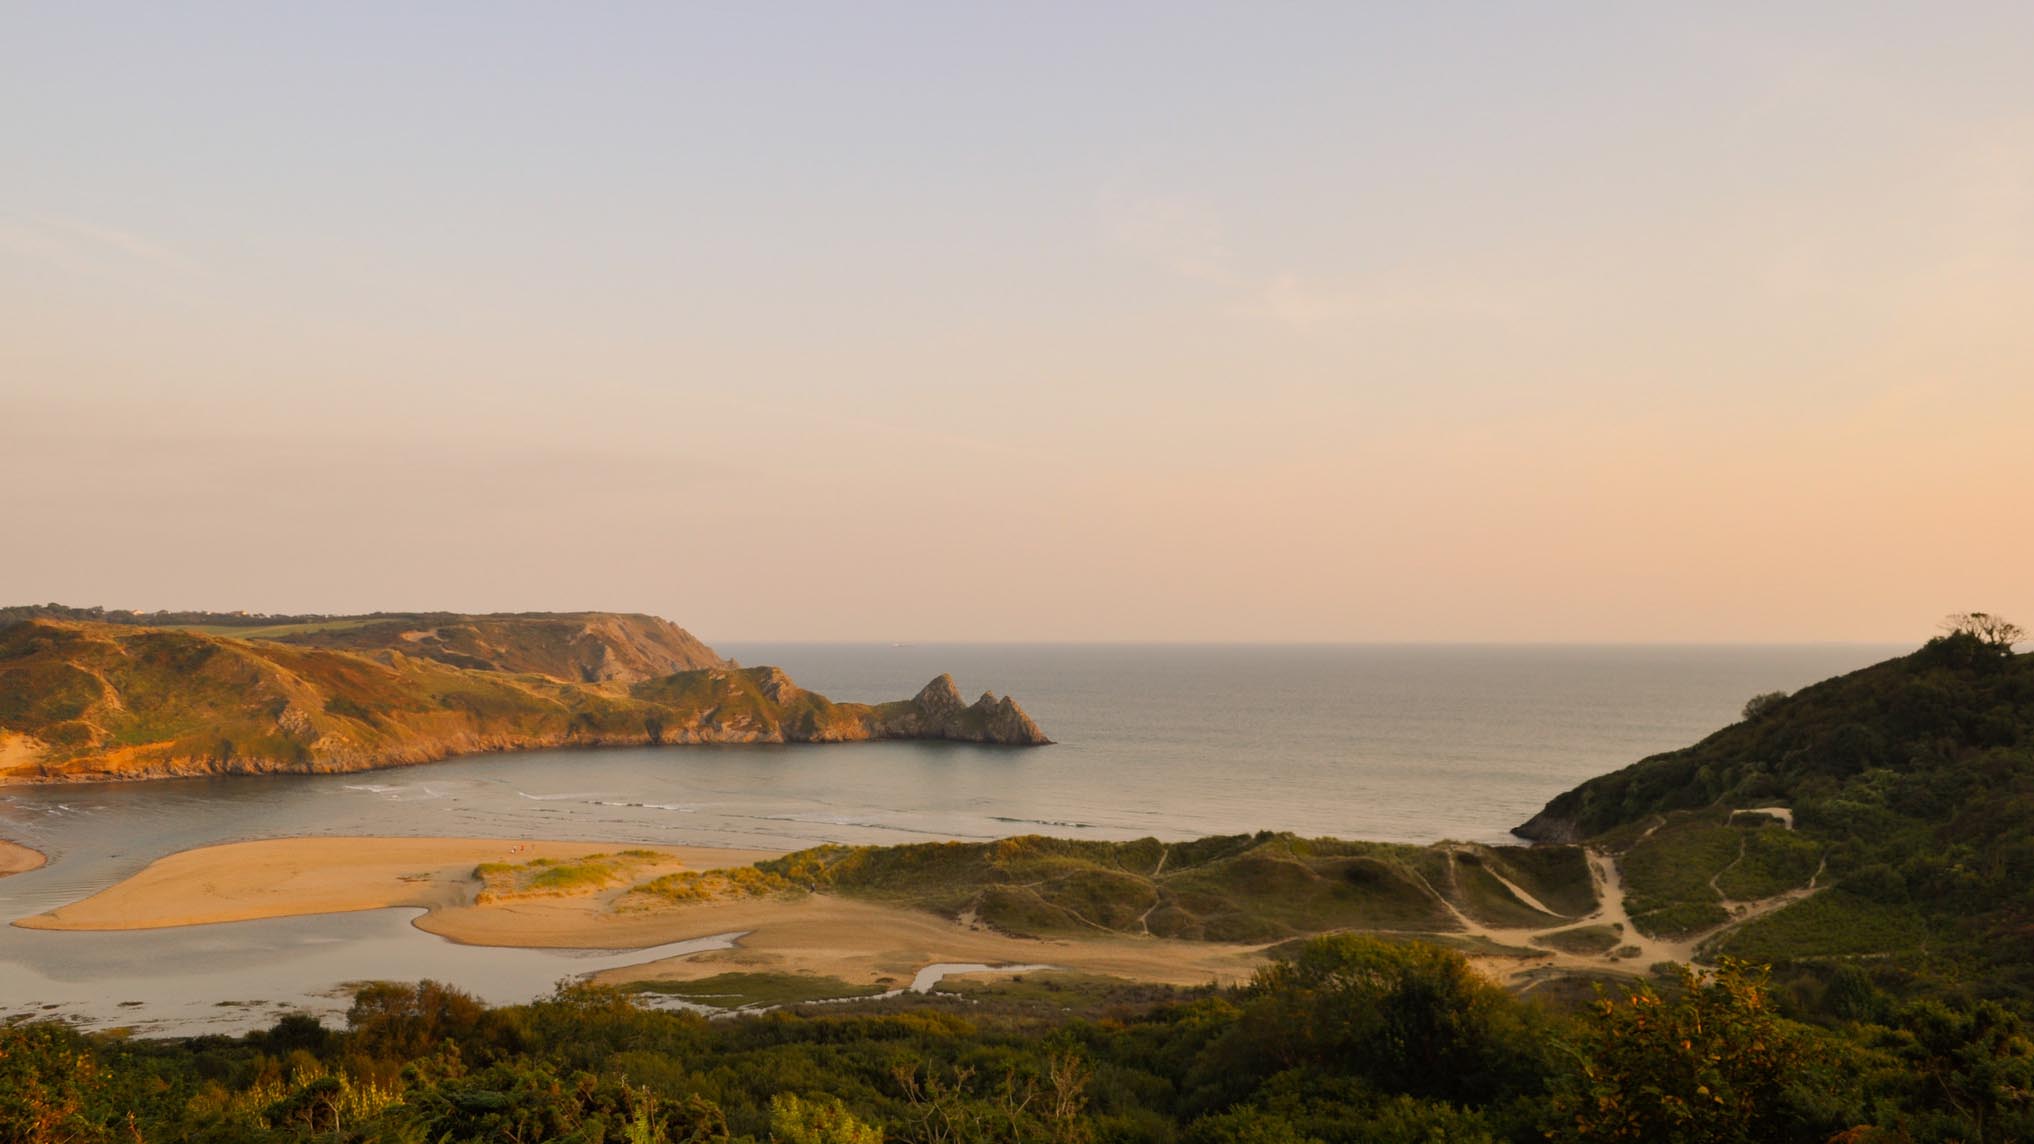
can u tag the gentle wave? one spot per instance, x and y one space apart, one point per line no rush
1069 824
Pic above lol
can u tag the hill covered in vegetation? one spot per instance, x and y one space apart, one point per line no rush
1909 790
589 647
1240 888
89 701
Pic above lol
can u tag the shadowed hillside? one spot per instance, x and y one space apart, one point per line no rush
95 701
1893 806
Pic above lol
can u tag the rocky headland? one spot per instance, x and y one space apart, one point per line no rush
87 700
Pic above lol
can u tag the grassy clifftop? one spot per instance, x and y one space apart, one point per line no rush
589 647
83 701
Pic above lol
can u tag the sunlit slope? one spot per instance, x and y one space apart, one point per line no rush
589 647
86 701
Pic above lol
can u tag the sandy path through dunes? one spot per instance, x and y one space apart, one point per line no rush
18 859
858 942
287 877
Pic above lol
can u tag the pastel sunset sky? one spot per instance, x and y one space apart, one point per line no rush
1171 321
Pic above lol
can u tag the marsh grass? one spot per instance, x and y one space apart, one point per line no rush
560 877
755 990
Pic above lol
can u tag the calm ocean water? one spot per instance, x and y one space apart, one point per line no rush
1407 743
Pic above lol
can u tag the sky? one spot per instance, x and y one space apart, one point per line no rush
1142 322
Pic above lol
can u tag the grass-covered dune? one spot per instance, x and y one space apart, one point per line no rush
1893 805
1243 888
88 701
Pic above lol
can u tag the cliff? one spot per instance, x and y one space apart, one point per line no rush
89 701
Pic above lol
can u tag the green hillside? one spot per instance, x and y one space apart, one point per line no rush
587 647
1910 786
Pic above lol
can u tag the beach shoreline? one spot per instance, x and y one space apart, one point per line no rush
18 859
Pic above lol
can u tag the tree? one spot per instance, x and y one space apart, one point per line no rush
1974 1067
1995 630
821 1120
1761 703
52 1090
1709 1064
1407 1017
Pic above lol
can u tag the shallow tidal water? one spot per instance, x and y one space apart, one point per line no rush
1403 743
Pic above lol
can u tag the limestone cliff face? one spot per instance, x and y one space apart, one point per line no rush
96 702
1550 825
938 712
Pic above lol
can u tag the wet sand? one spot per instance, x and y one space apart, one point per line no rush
18 859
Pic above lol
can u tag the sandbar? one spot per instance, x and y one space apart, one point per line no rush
18 859
288 877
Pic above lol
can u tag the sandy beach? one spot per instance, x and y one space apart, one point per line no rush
18 859
287 877
855 941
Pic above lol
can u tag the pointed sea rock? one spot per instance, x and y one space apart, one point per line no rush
939 699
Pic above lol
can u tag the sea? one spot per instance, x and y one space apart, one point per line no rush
1402 742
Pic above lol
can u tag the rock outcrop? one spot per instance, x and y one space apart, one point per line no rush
938 712
1549 826
86 701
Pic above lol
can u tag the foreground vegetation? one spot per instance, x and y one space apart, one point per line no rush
1349 1039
